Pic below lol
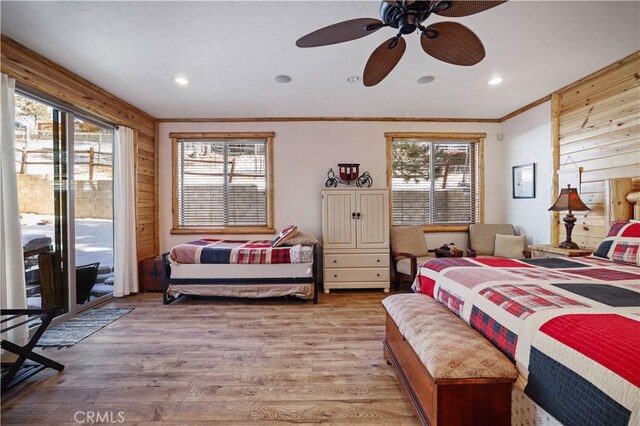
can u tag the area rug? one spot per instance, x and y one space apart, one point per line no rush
80 327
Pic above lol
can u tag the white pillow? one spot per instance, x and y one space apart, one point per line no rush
510 246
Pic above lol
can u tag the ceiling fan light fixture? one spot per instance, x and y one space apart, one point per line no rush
181 81
282 78
495 81
354 78
441 6
426 79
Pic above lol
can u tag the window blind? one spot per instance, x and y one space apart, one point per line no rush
434 182
222 183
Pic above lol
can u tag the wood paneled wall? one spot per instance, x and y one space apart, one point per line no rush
597 128
37 72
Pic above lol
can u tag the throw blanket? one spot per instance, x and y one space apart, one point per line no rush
237 251
572 326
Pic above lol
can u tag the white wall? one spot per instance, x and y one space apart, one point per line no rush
527 139
304 151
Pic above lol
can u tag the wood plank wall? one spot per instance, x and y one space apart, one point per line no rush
45 76
599 131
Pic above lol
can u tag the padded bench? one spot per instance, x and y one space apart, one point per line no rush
451 374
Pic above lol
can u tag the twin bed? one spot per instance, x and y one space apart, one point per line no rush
234 268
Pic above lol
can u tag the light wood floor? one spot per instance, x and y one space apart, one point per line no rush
224 361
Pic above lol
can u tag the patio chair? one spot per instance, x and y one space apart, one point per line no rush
86 276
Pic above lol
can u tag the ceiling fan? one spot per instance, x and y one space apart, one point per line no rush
447 41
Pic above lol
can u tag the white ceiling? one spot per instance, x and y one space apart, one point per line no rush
231 51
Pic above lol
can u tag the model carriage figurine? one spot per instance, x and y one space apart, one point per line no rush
349 173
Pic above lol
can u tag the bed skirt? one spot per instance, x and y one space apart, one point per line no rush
302 291
525 412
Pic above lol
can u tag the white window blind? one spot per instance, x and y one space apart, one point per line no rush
222 183
434 182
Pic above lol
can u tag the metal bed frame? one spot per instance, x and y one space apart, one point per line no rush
166 280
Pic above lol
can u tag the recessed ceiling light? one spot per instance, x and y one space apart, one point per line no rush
495 81
282 78
353 78
426 79
181 81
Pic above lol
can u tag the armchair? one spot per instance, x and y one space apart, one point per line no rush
408 250
482 239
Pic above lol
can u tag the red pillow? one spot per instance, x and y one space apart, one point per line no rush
622 244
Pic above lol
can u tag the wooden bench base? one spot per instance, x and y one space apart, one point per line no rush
446 402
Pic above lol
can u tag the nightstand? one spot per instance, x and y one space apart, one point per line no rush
150 274
548 250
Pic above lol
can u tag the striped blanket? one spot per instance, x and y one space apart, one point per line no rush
572 327
239 251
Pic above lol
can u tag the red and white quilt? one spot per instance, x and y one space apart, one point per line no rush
571 325
239 251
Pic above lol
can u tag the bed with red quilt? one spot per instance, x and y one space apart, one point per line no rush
571 325
242 268
214 251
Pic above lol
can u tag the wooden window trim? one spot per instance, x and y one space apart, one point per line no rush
176 229
477 138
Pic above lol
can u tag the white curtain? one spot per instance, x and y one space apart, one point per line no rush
124 200
12 283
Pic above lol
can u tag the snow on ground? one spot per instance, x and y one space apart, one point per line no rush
94 237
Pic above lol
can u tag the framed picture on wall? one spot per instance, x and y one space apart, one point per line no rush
523 179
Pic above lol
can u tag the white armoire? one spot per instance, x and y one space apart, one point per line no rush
355 232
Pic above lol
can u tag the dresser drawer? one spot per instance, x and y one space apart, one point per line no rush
356 260
356 274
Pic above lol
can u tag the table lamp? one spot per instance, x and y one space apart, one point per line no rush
569 200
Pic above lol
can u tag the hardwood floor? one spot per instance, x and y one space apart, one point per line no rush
224 361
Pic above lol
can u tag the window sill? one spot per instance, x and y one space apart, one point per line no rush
445 228
223 231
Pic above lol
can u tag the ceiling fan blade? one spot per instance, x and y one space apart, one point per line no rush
383 60
466 8
453 43
340 32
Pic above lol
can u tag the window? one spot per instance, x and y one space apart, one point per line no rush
222 182
435 179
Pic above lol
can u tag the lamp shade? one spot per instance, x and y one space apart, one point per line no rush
569 200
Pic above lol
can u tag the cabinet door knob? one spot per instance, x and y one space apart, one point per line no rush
378 274
335 261
358 215
353 215
335 275
378 260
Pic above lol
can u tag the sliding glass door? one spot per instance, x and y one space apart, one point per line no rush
64 170
41 175
93 210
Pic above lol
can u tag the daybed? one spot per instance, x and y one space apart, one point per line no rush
239 268
571 327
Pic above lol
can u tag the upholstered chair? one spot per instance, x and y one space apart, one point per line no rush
482 240
408 250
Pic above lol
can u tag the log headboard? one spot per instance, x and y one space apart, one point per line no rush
634 199
621 203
